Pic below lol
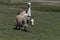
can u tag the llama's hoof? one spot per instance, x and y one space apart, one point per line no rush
25 30
18 28
32 25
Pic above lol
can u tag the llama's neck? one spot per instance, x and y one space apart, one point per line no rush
29 9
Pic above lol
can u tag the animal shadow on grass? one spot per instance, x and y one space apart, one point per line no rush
20 29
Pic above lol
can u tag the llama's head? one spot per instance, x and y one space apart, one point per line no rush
29 4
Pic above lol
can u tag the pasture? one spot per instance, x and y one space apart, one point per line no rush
47 23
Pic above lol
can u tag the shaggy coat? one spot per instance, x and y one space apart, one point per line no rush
21 20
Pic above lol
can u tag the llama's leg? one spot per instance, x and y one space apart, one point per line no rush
18 26
32 22
28 20
25 25
25 28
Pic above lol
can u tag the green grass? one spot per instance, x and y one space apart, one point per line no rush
46 9
42 7
47 25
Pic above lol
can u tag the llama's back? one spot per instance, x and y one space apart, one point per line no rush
19 18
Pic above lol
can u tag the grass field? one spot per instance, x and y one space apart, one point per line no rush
47 24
